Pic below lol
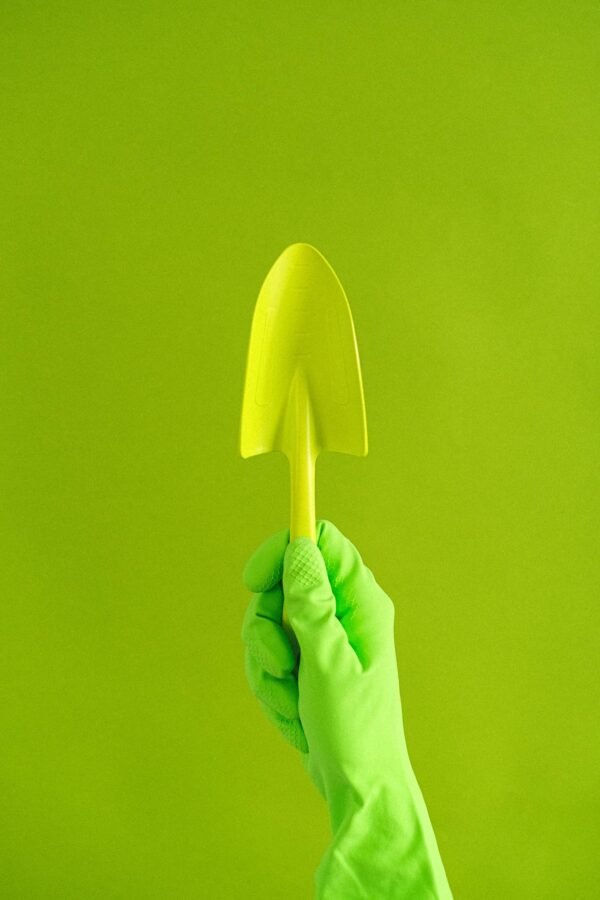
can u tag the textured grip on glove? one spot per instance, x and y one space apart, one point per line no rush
304 564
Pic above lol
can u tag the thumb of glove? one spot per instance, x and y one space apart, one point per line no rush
311 609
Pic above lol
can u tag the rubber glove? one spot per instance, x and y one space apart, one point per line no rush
337 700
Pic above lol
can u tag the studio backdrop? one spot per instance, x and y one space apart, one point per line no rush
156 159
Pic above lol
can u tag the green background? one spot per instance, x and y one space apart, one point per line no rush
156 158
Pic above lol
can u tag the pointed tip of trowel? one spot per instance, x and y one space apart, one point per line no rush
301 253
301 258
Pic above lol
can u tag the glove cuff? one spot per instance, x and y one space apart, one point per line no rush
383 846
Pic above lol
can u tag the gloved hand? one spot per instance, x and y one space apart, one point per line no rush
338 702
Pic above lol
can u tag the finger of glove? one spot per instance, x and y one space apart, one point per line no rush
264 635
281 694
365 610
265 567
311 609
291 729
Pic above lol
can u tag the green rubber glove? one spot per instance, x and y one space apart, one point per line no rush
338 702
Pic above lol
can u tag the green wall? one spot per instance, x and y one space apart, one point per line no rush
156 158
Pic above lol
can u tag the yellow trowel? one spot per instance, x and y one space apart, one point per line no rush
303 391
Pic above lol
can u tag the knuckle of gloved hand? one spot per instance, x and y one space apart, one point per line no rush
275 700
271 714
263 656
260 686
297 738
262 691
268 689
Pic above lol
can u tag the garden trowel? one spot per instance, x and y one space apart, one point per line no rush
303 391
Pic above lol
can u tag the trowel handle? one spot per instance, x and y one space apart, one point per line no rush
302 457
302 499
302 475
302 508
